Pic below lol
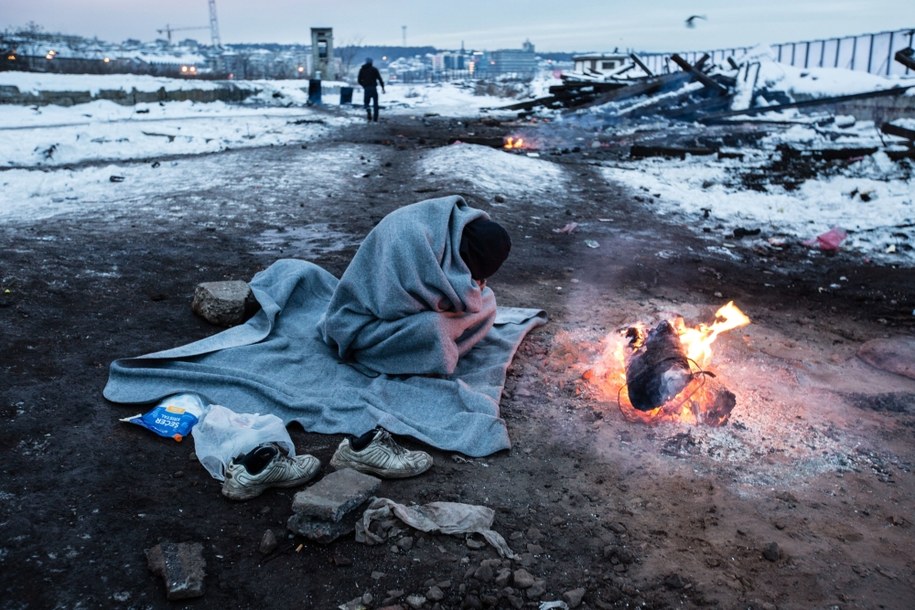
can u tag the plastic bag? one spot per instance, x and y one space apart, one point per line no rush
174 417
224 434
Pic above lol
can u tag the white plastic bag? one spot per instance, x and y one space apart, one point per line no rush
224 434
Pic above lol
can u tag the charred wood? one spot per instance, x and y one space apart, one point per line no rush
638 62
657 370
897 130
698 74
823 101
640 151
906 57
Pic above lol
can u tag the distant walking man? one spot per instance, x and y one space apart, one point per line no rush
368 77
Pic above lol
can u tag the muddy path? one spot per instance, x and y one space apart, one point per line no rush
804 500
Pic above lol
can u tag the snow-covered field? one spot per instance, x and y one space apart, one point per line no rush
57 159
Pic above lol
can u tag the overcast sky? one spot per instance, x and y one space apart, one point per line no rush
552 25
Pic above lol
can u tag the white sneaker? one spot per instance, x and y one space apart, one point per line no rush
382 456
267 466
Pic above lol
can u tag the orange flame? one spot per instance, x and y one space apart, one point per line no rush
511 142
698 341
695 404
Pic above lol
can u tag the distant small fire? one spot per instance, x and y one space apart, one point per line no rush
661 373
512 142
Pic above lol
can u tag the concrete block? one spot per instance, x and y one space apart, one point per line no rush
224 303
319 530
181 566
338 493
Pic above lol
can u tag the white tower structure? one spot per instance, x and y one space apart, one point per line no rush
214 26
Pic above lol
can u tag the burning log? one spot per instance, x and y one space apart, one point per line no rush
658 369
661 374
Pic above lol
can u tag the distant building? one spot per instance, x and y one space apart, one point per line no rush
599 64
521 62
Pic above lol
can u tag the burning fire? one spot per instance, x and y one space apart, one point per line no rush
513 143
695 398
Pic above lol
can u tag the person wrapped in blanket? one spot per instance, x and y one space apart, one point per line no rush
414 299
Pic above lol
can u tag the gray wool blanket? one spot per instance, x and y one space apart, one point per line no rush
410 344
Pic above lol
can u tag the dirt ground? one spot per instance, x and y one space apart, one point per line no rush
805 499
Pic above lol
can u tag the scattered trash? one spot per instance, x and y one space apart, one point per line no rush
555 604
828 241
116 178
224 434
569 228
591 243
446 517
173 417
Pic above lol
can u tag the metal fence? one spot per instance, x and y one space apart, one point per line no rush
873 53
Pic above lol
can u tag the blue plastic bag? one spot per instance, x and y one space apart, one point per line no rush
173 417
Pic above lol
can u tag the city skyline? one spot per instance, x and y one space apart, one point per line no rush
573 25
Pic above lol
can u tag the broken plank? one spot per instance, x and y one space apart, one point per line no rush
896 130
823 101
906 57
638 62
644 150
698 74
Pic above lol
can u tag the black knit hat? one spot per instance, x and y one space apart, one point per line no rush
484 247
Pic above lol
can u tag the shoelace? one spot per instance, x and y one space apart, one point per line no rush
385 439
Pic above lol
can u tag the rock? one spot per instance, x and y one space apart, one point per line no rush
435 594
895 355
335 495
484 573
503 577
268 542
537 590
320 530
224 303
772 552
523 579
181 566
416 601
574 597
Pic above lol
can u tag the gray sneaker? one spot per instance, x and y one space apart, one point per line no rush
266 466
380 456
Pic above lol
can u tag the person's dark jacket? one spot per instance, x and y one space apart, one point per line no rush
368 76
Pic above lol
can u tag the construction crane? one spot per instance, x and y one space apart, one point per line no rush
213 27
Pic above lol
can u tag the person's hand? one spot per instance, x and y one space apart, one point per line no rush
382 90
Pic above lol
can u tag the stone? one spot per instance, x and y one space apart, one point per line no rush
435 594
574 597
772 552
320 530
181 566
336 495
268 542
224 303
523 579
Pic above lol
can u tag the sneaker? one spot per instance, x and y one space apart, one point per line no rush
377 453
265 466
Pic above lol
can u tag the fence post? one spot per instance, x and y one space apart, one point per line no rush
838 48
822 52
807 55
854 51
870 55
889 55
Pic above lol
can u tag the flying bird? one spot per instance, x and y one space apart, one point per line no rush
691 20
